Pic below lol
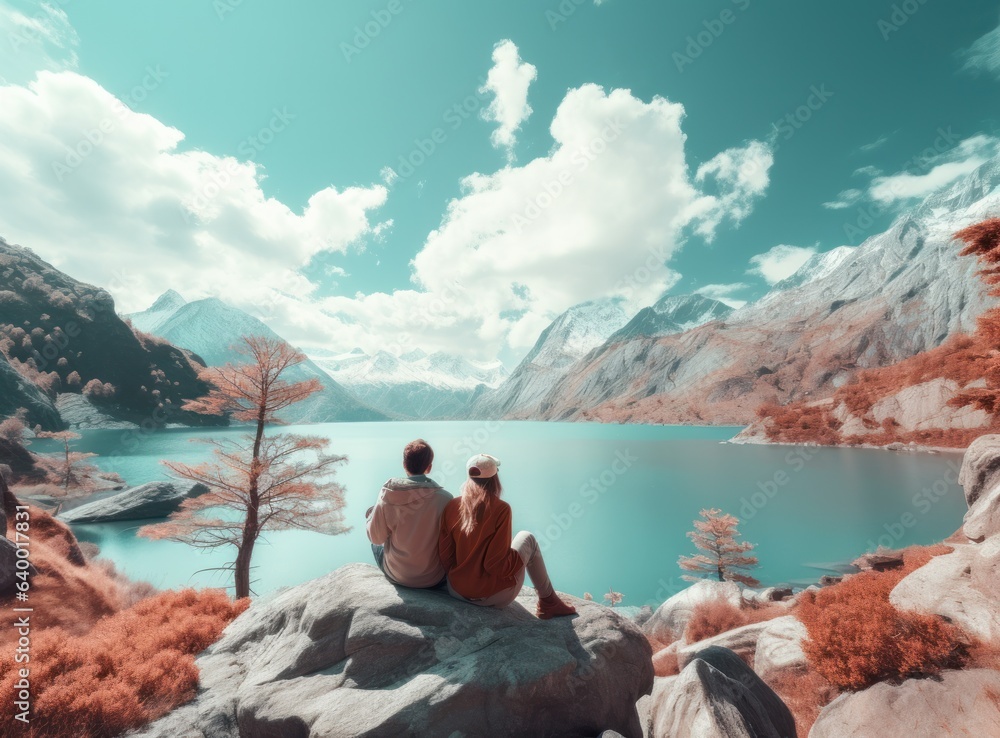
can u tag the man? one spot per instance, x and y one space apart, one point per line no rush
404 524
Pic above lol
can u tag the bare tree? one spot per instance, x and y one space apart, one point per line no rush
258 482
69 465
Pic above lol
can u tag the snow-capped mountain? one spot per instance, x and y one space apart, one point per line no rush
415 385
899 293
212 329
567 339
672 314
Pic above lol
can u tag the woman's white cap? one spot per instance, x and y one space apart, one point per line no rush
482 466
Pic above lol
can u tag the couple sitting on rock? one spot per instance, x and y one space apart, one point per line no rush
424 538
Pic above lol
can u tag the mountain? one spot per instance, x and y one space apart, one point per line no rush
150 320
63 336
898 294
568 338
414 385
672 314
212 329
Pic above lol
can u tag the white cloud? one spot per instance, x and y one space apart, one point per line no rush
984 54
876 144
845 199
508 81
779 262
113 197
31 41
741 176
109 195
724 293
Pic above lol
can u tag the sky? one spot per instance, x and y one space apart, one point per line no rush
398 174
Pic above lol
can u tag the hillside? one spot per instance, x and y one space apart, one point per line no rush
900 293
65 337
212 329
946 396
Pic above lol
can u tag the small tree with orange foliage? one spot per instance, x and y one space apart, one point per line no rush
258 482
725 557
68 467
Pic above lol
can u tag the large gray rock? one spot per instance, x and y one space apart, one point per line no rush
779 648
980 467
963 586
152 500
742 641
718 696
960 703
671 618
8 566
980 477
350 654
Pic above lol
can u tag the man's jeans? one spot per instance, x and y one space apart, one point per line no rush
379 553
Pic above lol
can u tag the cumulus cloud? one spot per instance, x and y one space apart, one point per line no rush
110 196
984 54
779 262
508 81
724 293
115 198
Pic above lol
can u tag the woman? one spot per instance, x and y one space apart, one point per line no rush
485 567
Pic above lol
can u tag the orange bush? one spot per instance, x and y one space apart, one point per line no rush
712 617
805 695
131 668
858 638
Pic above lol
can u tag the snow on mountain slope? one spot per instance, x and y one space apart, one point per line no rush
567 339
900 293
674 314
415 385
212 329
150 319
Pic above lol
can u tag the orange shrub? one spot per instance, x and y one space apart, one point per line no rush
805 695
712 617
131 668
858 638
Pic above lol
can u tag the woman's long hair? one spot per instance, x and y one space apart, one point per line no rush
475 494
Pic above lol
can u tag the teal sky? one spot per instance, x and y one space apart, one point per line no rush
228 66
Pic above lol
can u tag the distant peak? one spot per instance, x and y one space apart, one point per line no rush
169 300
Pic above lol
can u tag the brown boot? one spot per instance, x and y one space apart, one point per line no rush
553 607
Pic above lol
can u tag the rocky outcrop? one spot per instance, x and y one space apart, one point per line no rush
925 406
351 655
779 648
669 620
718 696
152 500
962 586
78 412
742 641
8 566
980 478
959 703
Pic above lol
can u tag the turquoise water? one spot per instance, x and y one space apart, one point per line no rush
611 504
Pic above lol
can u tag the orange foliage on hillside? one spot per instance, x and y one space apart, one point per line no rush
858 638
130 669
963 358
107 655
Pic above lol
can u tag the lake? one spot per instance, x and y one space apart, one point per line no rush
611 504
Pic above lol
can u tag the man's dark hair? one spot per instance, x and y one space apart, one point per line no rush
417 456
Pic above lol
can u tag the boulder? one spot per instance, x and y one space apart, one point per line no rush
8 566
980 470
668 622
883 559
349 654
718 696
983 519
962 586
152 500
959 703
779 648
767 595
741 641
